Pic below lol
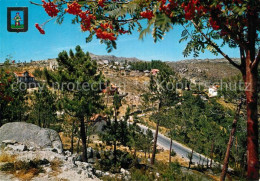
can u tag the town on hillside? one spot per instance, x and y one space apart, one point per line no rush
138 101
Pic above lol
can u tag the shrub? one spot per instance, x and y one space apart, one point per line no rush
23 170
124 160
7 158
140 174
173 153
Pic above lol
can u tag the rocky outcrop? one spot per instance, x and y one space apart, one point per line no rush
31 136
67 166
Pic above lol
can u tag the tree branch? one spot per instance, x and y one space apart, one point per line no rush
87 1
238 40
243 59
35 3
256 61
217 48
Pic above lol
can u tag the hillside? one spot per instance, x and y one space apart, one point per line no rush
113 58
204 70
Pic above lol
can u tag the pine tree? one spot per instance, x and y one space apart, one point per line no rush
80 86
44 107
164 92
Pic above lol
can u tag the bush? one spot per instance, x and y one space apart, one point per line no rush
124 160
144 175
173 153
23 170
56 127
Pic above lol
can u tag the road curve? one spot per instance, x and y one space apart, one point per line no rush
180 149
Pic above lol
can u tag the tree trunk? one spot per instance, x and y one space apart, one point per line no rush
230 142
0 116
250 78
190 162
155 137
39 118
72 137
115 140
155 143
114 151
83 139
78 145
170 154
212 152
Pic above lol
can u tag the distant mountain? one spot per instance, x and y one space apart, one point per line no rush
113 58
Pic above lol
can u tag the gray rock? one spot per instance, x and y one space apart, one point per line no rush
67 153
91 160
90 153
31 135
17 147
9 142
99 173
106 174
122 171
48 170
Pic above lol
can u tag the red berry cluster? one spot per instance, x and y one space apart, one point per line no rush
167 9
39 28
74 8
147 14
86 19
103 32
213 23
106 26
50 8
101 3
193 7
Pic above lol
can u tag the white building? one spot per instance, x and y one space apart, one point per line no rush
213 91
54 64
106 62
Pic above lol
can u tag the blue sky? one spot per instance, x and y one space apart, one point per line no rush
31 45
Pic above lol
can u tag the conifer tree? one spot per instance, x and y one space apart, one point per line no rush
80 86
44 107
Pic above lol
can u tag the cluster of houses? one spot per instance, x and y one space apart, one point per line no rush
123 68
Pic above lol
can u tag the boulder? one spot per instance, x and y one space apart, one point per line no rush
17 147
31 135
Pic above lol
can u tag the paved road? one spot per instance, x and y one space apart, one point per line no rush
180 149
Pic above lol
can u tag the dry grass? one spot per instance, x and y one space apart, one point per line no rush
65 140
21 169
55 165
4 157
226 105
26 174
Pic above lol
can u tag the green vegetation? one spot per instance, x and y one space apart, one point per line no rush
44 108
202 125
154 64
80 97
17 27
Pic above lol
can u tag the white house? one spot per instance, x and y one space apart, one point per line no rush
54 64
213 91
106 62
